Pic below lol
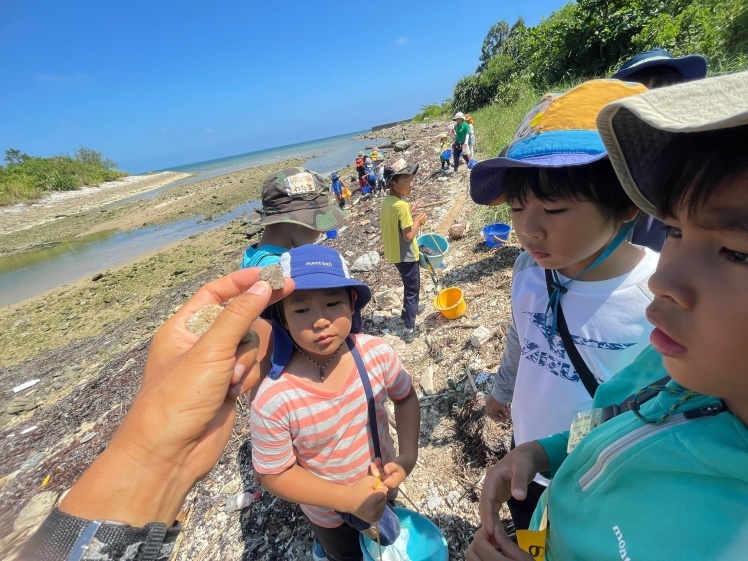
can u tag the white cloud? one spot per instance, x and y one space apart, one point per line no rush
209 131
401 41
65 79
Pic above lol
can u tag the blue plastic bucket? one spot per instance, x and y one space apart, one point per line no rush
496 234
425 540
331 234
471 163
447 154
435 242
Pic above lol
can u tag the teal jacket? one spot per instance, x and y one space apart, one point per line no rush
262 256
633 491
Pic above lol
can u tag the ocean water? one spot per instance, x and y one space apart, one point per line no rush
37 271
323 155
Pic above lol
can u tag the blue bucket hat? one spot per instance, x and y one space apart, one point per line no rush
335 176
313 267
691 67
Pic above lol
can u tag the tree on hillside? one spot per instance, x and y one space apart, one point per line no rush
492 43
94 158
13 156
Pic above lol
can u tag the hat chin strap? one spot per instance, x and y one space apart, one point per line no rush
560 289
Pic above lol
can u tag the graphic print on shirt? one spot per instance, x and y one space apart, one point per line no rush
555 361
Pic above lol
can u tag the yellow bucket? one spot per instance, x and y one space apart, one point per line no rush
451 303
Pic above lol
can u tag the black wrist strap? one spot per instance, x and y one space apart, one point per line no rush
585 374
63 537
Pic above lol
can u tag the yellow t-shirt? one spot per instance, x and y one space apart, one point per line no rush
394 218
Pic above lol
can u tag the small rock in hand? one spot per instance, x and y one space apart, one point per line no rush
273 275
204 318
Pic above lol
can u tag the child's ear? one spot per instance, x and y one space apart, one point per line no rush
632 214
354 297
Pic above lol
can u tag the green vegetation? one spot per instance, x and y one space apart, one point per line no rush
27 178
434 111
591 38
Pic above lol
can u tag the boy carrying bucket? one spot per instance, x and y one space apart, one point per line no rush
399 234
579 290
320 433
661 476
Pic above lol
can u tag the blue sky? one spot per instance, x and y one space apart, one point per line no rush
164 83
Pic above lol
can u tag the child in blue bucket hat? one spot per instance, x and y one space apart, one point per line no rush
579 290
320 433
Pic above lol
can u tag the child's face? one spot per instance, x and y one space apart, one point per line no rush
700 310
562 234
319 320
402 185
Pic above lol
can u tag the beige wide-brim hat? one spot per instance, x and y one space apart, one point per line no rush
635 130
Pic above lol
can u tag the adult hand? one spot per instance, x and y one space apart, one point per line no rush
509 478
184 412
496 410
484 548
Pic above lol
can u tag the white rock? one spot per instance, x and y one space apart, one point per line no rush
35 511
387 299
427 380
480 336
367 262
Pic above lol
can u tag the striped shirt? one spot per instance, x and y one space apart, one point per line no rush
327 433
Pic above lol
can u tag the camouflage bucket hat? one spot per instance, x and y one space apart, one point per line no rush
299 196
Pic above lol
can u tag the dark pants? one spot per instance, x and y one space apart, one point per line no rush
411 275
457 153
340 544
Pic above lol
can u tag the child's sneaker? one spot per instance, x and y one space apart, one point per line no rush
410 334
318 552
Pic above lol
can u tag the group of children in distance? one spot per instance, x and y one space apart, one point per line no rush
370 169
652 466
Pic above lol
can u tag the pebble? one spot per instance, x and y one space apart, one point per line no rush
32 461
273 275
35 511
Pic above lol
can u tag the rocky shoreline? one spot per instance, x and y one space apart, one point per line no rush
87 343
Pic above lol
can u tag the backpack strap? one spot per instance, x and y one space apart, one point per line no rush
364 375
632 401
585 374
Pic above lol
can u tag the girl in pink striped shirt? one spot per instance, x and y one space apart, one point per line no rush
312 427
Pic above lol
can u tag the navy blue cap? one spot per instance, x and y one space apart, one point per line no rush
313 267
691 67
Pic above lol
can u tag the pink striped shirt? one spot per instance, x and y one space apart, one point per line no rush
327 433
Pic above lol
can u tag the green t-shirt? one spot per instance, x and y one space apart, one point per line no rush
394 218
461 132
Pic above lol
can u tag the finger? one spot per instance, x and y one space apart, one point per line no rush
483 548
487 507
219 291
519 486
511 549
235 320
374 467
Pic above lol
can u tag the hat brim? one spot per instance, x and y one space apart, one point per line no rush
691 67
410 170
487 177
327 218
317 281
637 129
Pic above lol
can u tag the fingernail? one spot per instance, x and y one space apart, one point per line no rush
239 370
259 288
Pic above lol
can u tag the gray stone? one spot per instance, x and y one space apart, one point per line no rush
21 405
35 511
367 262
402 145
32 461
480 336
387 299
427 380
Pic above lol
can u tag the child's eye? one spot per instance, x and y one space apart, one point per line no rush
735 256
335 303
516 208
555 210
673 232
301 311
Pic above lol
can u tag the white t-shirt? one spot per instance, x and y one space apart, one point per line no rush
606 320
